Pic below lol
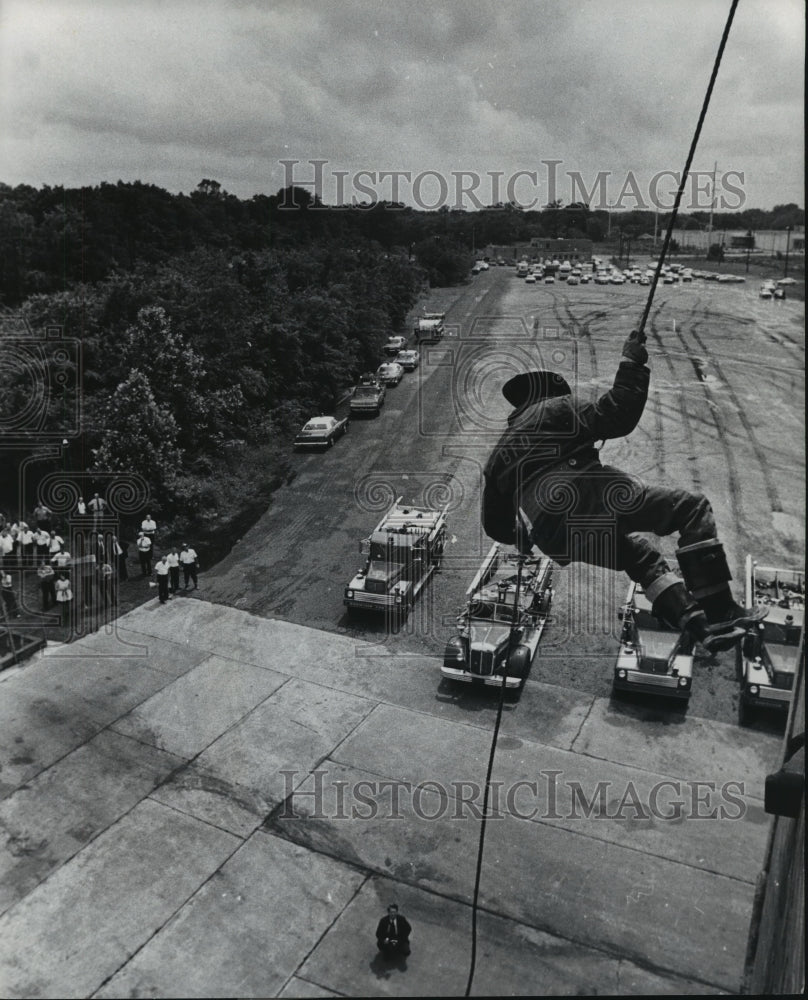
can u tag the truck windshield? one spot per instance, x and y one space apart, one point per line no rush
365 392
379 552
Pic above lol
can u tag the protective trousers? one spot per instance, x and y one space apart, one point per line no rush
593 516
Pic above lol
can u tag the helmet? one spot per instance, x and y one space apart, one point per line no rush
530 387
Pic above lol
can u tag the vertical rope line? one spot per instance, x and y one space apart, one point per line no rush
489 772
690 156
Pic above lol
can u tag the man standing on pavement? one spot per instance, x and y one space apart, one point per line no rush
27 553
188 560
144 552
161 572
47 581
173 560
42 541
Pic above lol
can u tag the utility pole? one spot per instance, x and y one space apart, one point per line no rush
788 244
712 206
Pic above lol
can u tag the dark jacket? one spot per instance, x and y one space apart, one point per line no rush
384 929
543 435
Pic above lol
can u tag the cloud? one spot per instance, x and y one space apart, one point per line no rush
152 90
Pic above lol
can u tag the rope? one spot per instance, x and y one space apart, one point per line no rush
478 873
694 143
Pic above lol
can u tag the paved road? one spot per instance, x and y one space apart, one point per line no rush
724 416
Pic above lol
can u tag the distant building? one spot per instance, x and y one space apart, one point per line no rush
769 242
542 246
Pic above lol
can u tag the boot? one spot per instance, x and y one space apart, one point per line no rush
677 608
706 574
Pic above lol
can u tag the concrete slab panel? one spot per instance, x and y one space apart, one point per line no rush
53 816
226 804
37 729
192 711
599 894
687 821
163 655
512 959
680 747
72 932
293 730
105 686
244 932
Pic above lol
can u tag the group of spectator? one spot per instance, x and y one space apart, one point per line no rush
99 566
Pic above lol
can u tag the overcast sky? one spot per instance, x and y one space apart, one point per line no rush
173 91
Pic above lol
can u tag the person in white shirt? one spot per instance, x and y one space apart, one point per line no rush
62 559
188 561
27 551
161 572
64 595
148 526
81 507
42 540
144 551
173 560
55 544
6 545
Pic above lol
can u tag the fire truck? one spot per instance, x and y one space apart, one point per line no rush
429 327
403 551
768 656
500 630
654 658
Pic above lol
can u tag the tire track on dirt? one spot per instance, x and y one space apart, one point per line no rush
690 439
733 474
759 451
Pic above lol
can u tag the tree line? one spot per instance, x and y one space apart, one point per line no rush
211 326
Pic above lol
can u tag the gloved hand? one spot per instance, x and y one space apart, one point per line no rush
633 348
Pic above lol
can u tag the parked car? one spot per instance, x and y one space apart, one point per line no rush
408 360
394 345
530 279
391 373
368 396
321 432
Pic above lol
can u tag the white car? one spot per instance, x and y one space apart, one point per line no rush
408 360
549 280
530 279
321 432
391 373
787 281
